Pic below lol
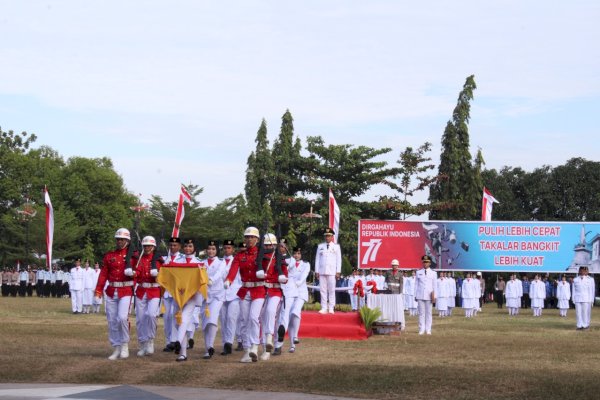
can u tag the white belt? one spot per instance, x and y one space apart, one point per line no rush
120 284
149 285
272 285
252 284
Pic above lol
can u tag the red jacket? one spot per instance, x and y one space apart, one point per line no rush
143 277
113 271
271 275
245 262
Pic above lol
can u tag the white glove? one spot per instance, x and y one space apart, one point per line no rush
128 272
282 278
226 285
260 274
210 282
154 272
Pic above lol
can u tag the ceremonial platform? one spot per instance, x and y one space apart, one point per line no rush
338 326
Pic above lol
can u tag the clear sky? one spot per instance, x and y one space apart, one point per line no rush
174 92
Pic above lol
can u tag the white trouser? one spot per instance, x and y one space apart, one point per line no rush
146 311
353 301
88 297
230 312
77 300
250 311
214 308
284 312
425 310
327 286
583 313
117 310
168 320
269 313
187 316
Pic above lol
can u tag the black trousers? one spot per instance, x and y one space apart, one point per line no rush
499 298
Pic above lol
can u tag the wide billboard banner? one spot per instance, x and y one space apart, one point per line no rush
480 246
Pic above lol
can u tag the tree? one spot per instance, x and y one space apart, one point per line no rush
456 195
259 178
414 166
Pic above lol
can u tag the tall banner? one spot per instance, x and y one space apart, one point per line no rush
481 246
487 203
334 216
49 228
183 196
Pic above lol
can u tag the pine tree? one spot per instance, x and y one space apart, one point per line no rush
455 195
259 173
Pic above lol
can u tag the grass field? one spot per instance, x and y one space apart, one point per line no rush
488 357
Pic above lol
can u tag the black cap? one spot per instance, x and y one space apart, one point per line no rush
188 241
228 242
212 243
329 231
426 258
242 246
296 249
174 240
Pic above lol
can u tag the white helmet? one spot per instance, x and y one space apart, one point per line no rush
395 262
251 231
123 233
149 241
270 239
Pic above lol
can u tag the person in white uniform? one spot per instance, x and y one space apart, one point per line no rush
217 271
563 294
76 287
513 293
425 287
96 301
169 327
451 293
537 293
443 293
470 295
89 284
584 291
230 310
328 266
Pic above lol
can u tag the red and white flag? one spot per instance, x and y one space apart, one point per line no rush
49 227
486 205
334 216
183 196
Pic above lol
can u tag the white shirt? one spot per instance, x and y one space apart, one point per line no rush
329 259
77 277
425 283
583 289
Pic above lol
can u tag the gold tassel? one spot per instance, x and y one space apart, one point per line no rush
178 317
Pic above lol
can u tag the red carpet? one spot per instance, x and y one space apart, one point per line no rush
338 326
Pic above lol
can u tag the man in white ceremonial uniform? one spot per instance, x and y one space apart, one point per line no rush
537 294
470 295
513 293
96 301
298 271
352 279
169 327
76 287
409 290
217 271
584 291
89 284
425 286
230 310
328 266
563 295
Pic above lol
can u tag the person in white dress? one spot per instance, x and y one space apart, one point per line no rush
452 293
513 293
537 293
470 295
217 271
89 284
441 303
563 294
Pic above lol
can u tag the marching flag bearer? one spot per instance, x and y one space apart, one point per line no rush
273 283
148 297
252 293
118 294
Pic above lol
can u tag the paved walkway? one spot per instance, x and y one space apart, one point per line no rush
33 391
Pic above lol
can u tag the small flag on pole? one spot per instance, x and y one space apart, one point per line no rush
334 216
486 205
49 227
183 196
